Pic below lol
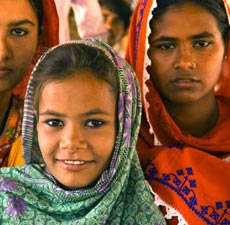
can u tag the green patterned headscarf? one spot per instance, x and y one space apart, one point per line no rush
28 195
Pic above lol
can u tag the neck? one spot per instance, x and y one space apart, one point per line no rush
197 118
4 106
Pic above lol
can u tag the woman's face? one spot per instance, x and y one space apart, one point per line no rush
18 41
77 128
186 52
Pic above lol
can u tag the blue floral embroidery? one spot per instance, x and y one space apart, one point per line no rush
184 185
15 207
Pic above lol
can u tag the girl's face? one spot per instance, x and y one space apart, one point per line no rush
18 41
186 52
76 129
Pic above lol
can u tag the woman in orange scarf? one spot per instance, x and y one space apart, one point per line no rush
26 29
181 54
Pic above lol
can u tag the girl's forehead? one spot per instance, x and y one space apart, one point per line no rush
76 85
77 96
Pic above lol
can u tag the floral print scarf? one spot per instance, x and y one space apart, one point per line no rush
121 195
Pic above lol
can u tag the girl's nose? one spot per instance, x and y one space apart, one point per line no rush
73 139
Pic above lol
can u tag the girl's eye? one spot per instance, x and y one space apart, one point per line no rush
94 123
201 44
55 123
18 32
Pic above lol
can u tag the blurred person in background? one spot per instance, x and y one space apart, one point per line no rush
117 16
87 17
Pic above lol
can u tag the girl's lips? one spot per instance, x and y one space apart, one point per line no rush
74 162
74 165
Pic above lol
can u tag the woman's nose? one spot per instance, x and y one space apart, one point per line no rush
184 60
5 51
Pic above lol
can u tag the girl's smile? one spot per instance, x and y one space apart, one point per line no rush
76 128
75 165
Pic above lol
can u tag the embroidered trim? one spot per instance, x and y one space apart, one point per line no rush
182 183
170 211
147 62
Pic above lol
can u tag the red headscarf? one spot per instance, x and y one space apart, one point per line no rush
185 173
49 38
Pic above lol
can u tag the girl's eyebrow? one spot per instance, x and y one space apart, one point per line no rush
96 111
89 113
51 113
21 22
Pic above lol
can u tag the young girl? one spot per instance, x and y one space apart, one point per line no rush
82 166
180 52
25 29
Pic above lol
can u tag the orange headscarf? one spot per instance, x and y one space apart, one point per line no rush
49 39
187 174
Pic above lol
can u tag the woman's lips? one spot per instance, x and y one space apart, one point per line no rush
5 71
184 82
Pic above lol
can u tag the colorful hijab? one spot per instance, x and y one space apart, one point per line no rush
186 174
12 128
120 196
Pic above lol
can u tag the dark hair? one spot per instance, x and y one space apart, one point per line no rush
69 60
215 7
38 9
119 7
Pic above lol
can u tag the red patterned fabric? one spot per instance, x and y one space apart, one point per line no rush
188 174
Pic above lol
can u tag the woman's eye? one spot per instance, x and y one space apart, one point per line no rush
94 123
166 46
18 32
55 123
201 44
